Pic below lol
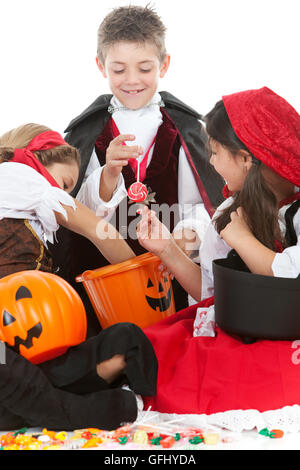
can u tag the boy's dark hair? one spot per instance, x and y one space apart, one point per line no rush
132 24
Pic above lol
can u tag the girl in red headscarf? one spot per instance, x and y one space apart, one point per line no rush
255 146
82 387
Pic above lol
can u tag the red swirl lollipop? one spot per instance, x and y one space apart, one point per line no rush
137 192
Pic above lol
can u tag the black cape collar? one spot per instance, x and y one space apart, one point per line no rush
102 103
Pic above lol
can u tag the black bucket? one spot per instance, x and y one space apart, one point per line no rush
253 306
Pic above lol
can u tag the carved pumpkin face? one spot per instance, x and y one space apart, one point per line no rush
161 302
41 315
133 291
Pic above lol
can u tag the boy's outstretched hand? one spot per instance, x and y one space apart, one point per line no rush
117 156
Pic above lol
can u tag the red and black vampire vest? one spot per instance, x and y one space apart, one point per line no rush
92 130
161 176
181 127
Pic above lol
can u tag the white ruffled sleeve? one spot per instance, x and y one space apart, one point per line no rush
287 263
213 247
193 214
25 194
89 195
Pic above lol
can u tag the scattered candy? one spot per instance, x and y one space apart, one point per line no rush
227 439
162 436
54 447
167 442
7 439
155 441
61 436
78 443
92 443
191 432
196 440
77 434
276 433
211 438
121 432
12 447
43 438
20 431
140 437
94 431
51 434
264 432
33 446
123 440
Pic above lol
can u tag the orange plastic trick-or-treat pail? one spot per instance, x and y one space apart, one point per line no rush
133 291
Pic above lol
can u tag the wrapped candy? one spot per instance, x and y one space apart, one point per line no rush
140 437
211 438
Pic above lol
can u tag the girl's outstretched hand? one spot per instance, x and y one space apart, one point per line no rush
156 238
237 229
152 234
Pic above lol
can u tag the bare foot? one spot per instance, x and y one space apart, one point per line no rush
110 369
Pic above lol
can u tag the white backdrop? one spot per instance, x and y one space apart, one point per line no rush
48 49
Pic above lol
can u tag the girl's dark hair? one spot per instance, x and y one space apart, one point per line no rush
258 202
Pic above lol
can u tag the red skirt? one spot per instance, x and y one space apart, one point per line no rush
215 374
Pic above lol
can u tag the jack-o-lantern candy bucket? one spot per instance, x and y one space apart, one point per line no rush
133 291
41 315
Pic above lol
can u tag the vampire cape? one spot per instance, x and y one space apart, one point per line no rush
92 130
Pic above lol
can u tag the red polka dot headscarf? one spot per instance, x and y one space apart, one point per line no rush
269 127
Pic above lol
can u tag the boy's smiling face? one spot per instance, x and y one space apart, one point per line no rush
133 71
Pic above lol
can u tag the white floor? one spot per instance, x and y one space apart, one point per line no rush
246 440
235 429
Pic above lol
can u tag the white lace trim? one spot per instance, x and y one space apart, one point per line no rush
287 419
